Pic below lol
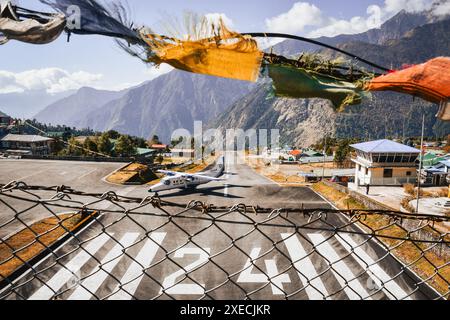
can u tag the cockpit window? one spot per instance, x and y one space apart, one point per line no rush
167 182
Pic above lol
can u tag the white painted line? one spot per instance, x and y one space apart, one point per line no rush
276 280
225 190
376 273
30 175
72 267
306 267
136 271
99 275
345 277
86 174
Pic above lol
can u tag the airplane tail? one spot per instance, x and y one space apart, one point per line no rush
219 168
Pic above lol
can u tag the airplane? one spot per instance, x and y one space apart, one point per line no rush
181 180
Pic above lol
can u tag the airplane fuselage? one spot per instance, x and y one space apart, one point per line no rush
178 182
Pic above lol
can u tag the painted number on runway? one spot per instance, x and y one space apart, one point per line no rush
182 288
272 274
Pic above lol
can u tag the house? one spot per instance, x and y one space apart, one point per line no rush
159 147
5 120
438 174
311 153
320 159
296 154
18 144
183 153
384 163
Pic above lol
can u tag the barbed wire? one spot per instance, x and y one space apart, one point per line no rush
244 252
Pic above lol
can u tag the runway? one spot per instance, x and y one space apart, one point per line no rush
222 255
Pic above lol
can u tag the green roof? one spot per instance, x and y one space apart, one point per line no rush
144 151
431 159
55 134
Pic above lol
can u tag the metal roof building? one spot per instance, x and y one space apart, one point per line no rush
384 146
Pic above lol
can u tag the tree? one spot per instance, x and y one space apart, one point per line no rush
89 145
58 146
113 134
125 147
139 142
327 142
342 152
154 140
104 144
74 148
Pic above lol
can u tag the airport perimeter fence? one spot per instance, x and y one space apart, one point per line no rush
60 243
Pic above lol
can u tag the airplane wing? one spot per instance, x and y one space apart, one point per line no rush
203 177
170 173
193 175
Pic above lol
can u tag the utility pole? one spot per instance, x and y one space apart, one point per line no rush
324 157
420 163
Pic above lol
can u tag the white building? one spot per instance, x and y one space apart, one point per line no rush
385 162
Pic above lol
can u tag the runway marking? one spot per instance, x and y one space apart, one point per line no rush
136 271
306 270
91 284
225 190
276 280
86 174
182 288
72 267
377 274
33 174
342 272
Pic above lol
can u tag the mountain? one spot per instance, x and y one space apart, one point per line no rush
304 121
169 102
393 29
418 45
27 104
72 110
177 99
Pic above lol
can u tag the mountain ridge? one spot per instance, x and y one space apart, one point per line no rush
303 122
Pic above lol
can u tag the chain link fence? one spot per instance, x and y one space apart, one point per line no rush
59 243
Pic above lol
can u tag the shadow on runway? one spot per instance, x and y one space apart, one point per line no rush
230 173
213 191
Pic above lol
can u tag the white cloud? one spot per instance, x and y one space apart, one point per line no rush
52 80
215 18
305 18
302 14
408 5
155 72
442 9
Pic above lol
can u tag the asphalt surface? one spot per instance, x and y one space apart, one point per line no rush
145 257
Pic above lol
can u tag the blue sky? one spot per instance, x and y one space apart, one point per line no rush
96 61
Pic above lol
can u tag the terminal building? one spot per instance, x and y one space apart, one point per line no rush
385 163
